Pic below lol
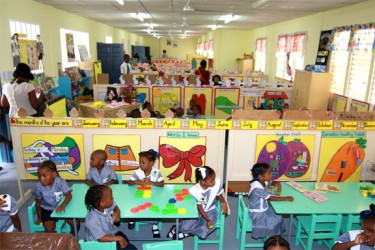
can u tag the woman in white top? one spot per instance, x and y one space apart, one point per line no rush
20 93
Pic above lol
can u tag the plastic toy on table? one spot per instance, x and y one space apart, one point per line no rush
367 191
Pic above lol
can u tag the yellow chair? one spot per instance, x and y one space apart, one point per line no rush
165 245
31 212
219 231
322 227
244 225
350 222
96 245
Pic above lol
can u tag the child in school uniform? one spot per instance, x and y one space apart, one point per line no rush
147 174
48 193
206 192
102 214
100 173
9 219
276 242
265 221
359 239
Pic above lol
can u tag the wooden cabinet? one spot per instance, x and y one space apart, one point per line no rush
311 90
243 65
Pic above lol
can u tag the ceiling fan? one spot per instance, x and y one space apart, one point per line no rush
187 7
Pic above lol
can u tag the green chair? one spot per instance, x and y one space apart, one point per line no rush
165 245
119 178
350 222
322 227
61 225
219 231
138 223
244 225
96 245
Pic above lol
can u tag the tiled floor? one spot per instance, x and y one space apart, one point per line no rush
8 184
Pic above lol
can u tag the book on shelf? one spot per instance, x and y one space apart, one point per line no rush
73 73
326 187
296 186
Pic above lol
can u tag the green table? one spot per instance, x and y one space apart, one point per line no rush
125 198
348 201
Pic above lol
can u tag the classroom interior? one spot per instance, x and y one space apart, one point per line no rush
229 45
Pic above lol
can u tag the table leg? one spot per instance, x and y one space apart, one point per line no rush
75 228
290 226
177 224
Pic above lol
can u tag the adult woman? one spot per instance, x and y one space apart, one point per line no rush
21 93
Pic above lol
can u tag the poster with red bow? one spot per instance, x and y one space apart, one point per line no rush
179 157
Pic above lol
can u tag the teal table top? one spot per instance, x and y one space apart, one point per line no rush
348 201
128 199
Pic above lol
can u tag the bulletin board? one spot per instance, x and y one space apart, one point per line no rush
143 94
225 99
164 98
202 97
339 103
359 106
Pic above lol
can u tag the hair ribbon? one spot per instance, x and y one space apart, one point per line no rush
203 172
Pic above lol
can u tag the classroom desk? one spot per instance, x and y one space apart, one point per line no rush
125 198
348 201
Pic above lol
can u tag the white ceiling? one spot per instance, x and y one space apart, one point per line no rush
168 15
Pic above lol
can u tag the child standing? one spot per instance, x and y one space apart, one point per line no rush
100 173
9 218
103 213
147 174
206 192
359 239
48 193
265 221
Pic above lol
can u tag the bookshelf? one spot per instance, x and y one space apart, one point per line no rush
69 88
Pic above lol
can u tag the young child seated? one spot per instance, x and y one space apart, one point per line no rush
147 174
359 239
48 193
100 173
276 242
196 110
206 192
9 219
102 214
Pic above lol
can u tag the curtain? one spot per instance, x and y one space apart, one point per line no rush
261 44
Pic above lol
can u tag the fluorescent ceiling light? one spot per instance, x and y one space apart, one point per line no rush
260 3
230 18
140 17
214 27
120 2
187 7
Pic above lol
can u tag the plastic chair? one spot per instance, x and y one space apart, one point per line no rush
96 245
31 212
138 223
219 231
322 227
163 245
244 225
350 222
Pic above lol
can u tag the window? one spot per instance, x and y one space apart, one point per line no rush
260 54
28 29
352 62
108 39
71 41
290 55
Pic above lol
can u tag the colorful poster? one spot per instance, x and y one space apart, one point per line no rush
250 102
225 100
179 157
323 52
201 96
164 98
341 156
143 94
359 106
70 47
65 150
122 151
289 155
339 103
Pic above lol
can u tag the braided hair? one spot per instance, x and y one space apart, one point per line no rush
368 214
202 173
258 169
49 165
93 196
151 155
276 241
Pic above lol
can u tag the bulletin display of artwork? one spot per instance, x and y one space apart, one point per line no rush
143 94
179 157
341 156
225 100
28 53
201 96
290 157
164 98
84 54
339 103
65 150
122 151
70 47
359 106
249 102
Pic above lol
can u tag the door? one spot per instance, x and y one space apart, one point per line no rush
143 52
111 56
